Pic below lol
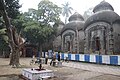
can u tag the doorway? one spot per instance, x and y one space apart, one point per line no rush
97 43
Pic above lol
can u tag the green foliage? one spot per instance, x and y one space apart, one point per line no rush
2 31
48 11
38 23
18 23
3 44
12 8
3 35
39 34
1 23
3 41
31 30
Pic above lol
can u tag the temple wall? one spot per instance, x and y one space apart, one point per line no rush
57 44
116 37
81 41
72 44
103 29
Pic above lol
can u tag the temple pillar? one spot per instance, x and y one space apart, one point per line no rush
111 42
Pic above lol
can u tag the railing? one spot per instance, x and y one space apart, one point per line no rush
92 58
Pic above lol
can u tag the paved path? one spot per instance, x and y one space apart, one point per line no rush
106 69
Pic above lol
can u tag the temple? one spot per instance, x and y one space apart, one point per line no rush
99 34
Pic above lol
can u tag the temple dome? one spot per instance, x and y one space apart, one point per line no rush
76 16
105 16
73 25
76 22
103 6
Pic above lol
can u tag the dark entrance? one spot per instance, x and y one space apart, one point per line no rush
97 40
68 45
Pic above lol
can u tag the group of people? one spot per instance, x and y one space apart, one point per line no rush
53 58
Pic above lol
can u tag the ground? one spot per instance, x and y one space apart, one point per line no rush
69 71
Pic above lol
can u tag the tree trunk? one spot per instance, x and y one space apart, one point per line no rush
14 60
13 39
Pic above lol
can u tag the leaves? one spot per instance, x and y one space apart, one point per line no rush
12 8
39 23
48 11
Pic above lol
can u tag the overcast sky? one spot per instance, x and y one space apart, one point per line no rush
78 5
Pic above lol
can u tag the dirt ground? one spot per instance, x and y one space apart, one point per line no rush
61 73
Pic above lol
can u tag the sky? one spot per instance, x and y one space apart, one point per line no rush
79 6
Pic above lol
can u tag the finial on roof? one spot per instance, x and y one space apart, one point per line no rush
103 6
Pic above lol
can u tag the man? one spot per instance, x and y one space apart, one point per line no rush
58 56
46 58
53 59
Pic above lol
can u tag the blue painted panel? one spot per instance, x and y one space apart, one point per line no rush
98 59
62 56
69 56
114 60
87 58
56 55
77 57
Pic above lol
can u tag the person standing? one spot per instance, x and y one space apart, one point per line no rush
46 58
53 59
58 56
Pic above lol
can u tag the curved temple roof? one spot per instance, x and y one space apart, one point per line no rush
73 26
76 16
103 6
106 16
76 23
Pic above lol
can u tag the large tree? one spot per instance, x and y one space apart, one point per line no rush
13 38
39 34
66 10
40 22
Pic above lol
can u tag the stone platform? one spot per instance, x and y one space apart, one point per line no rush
35 74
